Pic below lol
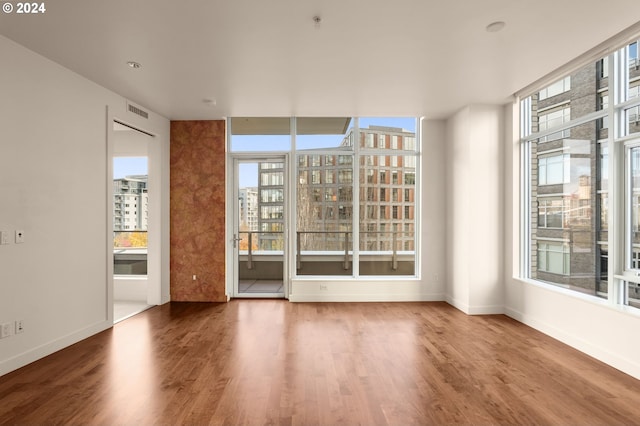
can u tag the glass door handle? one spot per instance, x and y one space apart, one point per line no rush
235 240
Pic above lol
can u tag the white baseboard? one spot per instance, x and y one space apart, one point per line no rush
363 297
603 354
475 310
42 351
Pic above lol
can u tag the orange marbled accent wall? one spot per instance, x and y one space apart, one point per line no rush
198 211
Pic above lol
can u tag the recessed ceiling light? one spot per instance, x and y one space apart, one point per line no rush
134 65
494 27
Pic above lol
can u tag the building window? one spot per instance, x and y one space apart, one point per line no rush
603 68
370 196
394 142
633 55
554 258
551 212
552 118
560 86
329 176
345 176
409 178
554 169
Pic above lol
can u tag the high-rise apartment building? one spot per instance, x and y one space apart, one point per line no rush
248 203
387 190
130 203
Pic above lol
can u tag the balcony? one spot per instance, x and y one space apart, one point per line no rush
323 253
130 253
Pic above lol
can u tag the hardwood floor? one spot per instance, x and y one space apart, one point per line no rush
275 362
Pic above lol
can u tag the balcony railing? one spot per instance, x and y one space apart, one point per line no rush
329 247
130 252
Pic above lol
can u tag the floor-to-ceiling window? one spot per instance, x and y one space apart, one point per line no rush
581 156
354 191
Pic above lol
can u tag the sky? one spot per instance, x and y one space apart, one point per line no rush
126 166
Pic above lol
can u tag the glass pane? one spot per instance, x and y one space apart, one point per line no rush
387 196
387 213
634 205
566 208
603 215
261 224
260 143
324 215
260 134
633 294
632 120
634 71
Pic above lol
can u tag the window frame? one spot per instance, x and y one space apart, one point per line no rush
382 178
620 99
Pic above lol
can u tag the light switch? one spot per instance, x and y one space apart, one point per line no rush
4 237
19 236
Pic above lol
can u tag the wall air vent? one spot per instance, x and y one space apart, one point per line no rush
138 111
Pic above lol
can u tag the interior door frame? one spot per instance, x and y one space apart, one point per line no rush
157 250
233 221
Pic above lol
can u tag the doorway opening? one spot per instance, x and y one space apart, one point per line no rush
130 221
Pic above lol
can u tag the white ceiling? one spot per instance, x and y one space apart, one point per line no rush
268 58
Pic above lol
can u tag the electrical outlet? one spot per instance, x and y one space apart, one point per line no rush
19 326
323 287
5 330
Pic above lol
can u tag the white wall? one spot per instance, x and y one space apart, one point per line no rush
130 289
591 325
431 285
474 200
54 163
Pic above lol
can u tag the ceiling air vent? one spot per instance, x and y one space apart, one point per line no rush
138 111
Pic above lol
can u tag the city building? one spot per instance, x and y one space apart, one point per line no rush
249 207
130 204
570 185
387 194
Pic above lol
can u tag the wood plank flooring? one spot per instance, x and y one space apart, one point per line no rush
274 362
